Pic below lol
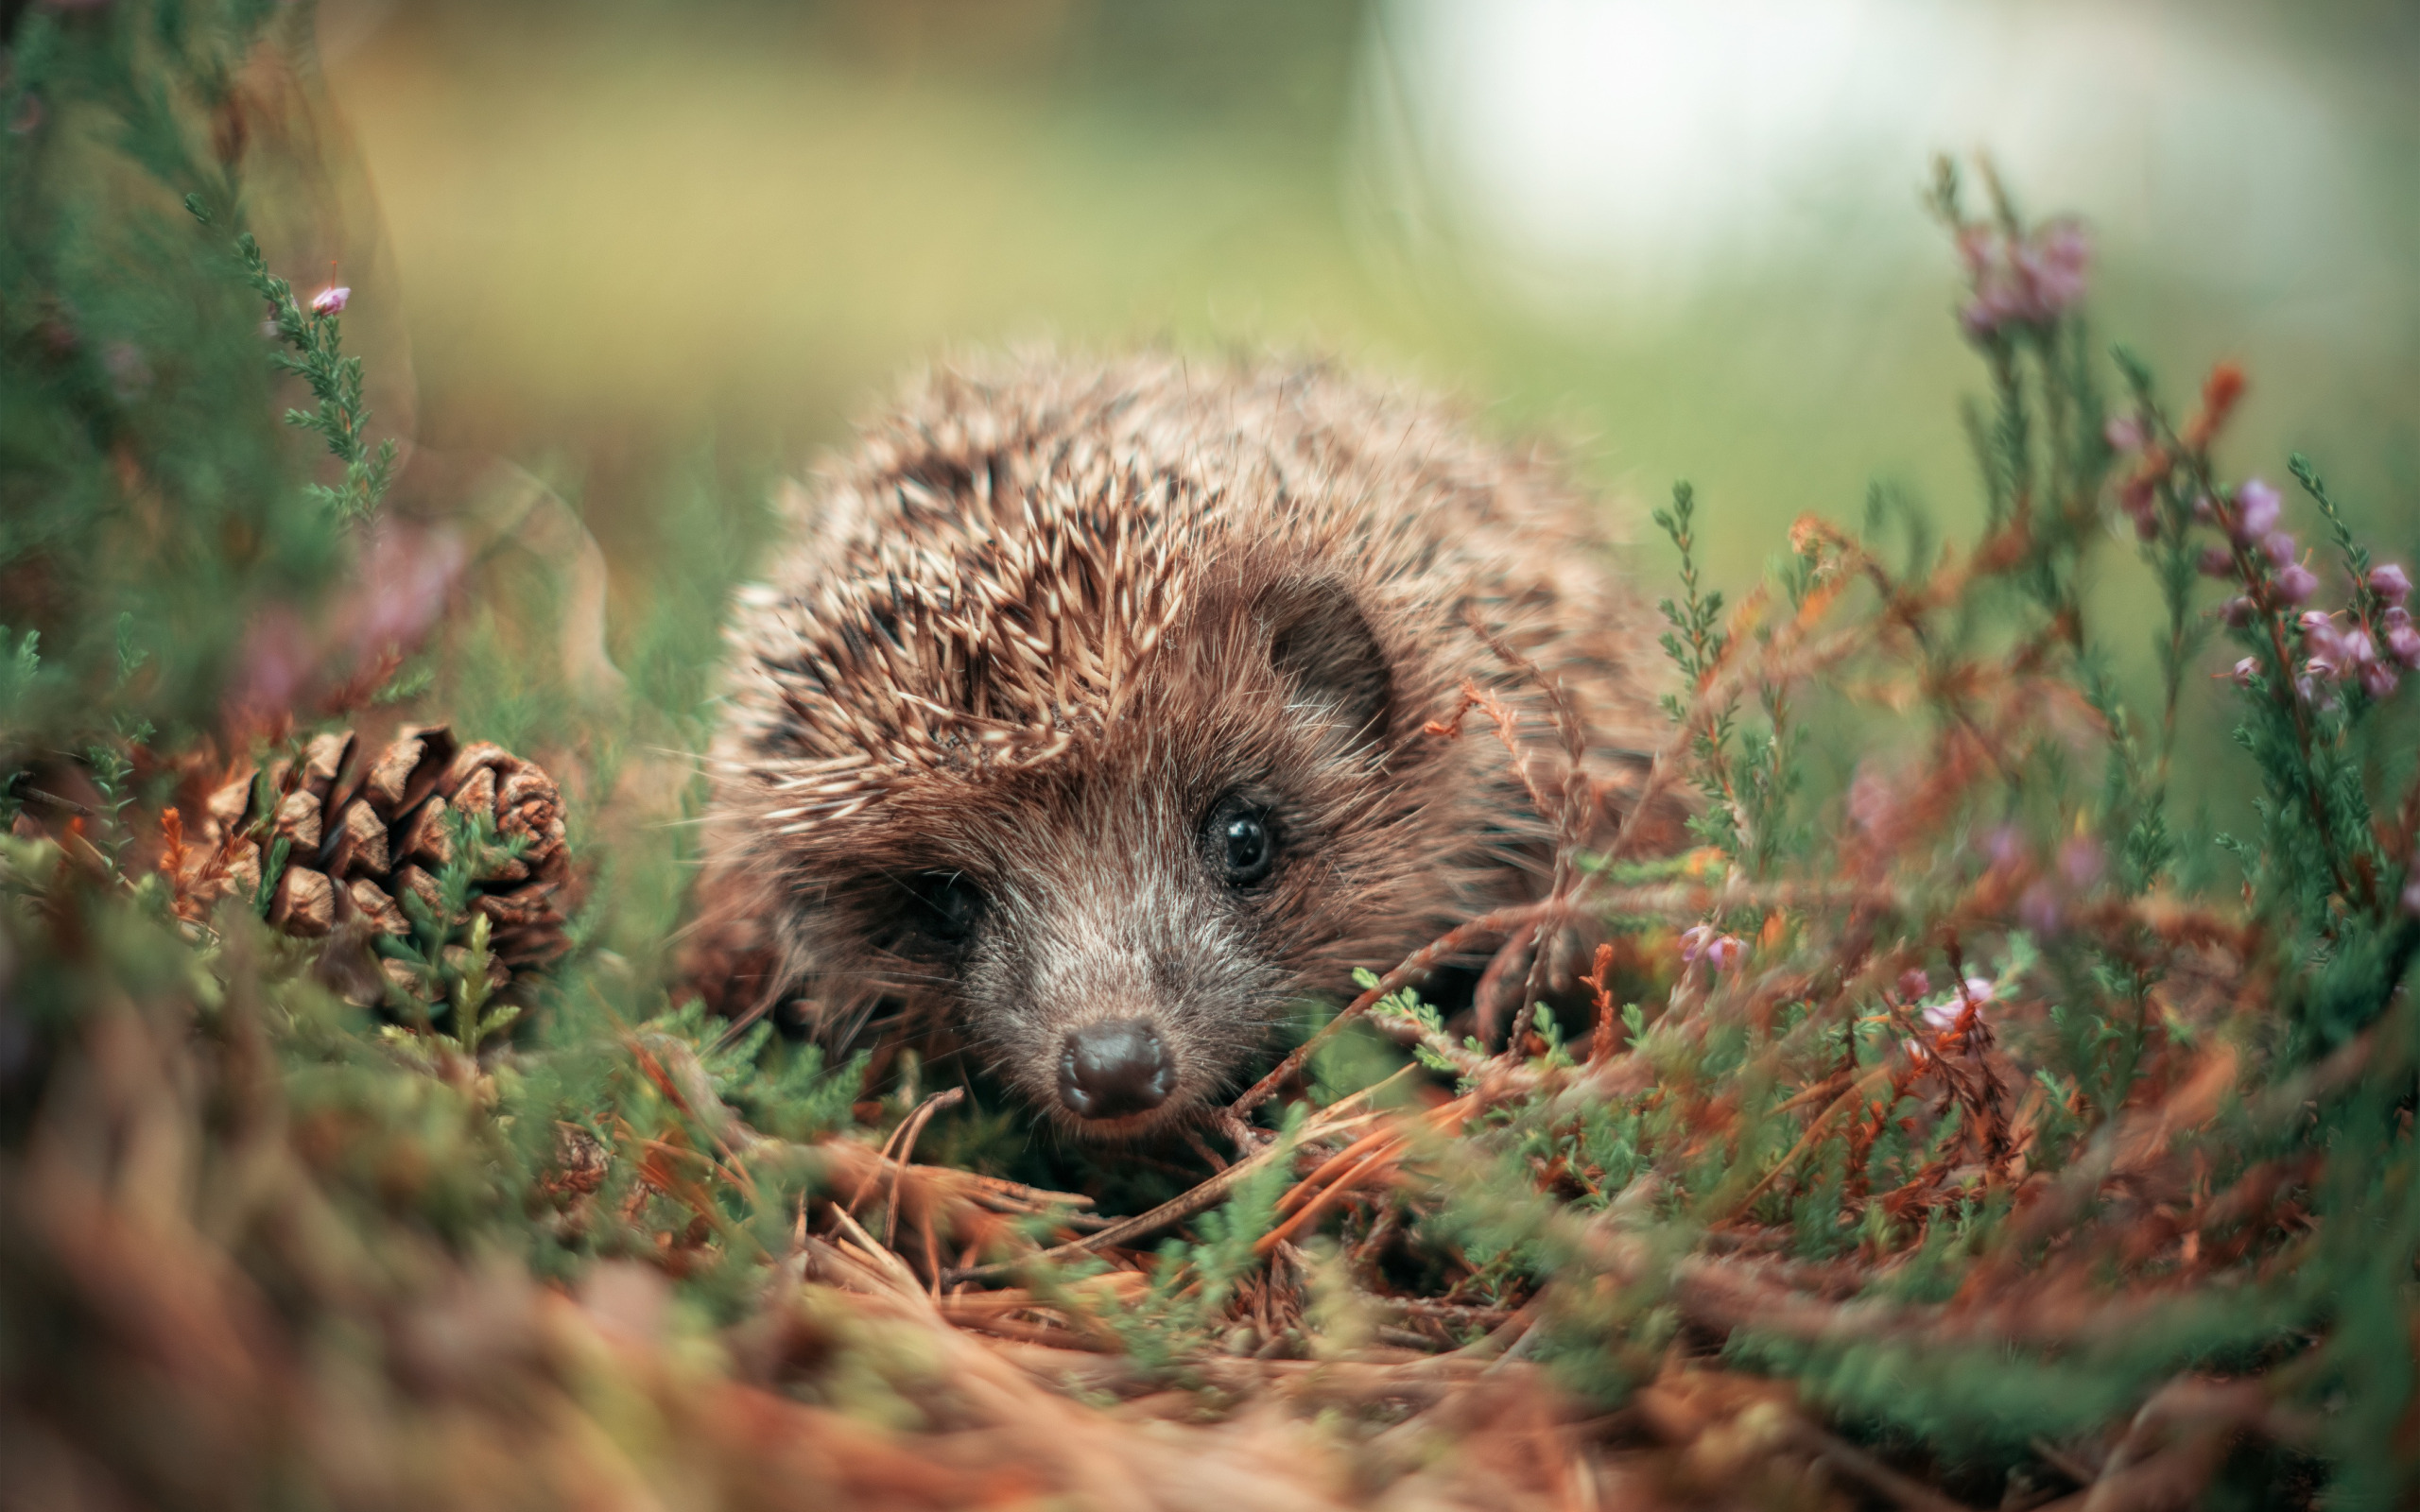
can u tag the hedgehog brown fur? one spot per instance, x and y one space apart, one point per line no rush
1088 721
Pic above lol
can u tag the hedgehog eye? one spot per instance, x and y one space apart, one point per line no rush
1239 843
945 906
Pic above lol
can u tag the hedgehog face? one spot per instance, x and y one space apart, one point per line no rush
1118 932
1128 962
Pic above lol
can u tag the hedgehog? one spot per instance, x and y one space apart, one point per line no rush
1100 715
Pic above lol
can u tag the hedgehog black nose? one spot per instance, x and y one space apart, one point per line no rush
1111 1068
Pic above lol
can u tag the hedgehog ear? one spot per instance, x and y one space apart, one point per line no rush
1321 643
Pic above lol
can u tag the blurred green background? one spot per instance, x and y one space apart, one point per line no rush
1683 239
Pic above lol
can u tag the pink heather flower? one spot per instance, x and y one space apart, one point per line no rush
2411 897
2049 269
1721 952
2320 638
2004 846
2335 653
2245 671
2217 561
1694 940
2123 433
2297 583
1914 981
2204 510
2396 617
2390 583
2256 507
2236 611
2403 643
2280 548
2031 281
2378 679
330 300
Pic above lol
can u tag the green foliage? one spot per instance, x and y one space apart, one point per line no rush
1183 1309
342 418
146 495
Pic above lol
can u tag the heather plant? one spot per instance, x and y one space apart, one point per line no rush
1959 1122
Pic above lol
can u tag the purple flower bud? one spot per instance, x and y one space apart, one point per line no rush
2396 618
2204 510
2246 670
1725 953
2411 897
2297 583
2335 653
1914 981
2403 643
2256 506
330 300
2390 583
2217 561
1977 988
2280 548
2123 433
1694 940
2236 611
2379 678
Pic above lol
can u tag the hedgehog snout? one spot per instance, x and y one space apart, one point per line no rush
1114 1069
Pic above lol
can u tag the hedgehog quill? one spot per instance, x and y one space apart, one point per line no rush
1088 721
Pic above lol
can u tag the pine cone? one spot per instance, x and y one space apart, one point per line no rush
361 833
